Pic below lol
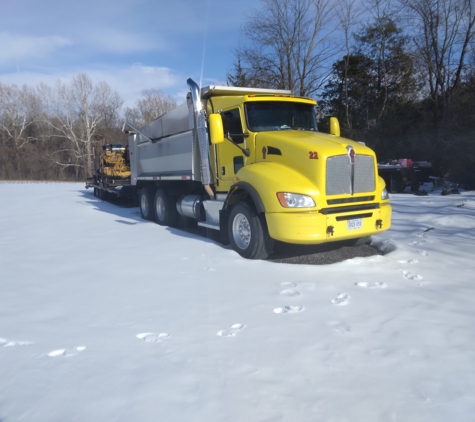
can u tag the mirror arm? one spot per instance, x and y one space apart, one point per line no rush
246 152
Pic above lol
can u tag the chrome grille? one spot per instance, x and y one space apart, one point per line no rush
339 175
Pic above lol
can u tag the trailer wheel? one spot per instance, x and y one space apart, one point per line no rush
248 232
164 207
145 203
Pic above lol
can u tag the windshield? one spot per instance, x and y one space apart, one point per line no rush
276 115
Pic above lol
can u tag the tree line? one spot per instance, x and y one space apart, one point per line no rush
57 132
398 74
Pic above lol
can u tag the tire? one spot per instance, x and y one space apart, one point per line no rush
164 209
248 232
145 203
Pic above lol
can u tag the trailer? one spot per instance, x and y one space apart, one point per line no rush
251 164
404 174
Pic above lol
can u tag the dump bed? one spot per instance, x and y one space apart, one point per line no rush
169 150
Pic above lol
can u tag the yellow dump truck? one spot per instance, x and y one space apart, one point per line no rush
251 164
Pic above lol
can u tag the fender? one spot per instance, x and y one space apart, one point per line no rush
250 190
261 182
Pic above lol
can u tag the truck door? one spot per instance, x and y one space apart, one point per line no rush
229 157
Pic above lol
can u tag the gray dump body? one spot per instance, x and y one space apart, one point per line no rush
170 149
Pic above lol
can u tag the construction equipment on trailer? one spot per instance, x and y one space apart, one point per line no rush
251 164
112 177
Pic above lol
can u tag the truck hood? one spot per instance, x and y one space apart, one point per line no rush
304 152
293 141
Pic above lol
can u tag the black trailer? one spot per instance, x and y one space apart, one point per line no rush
401 174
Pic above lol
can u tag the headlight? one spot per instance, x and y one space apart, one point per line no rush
384 194
294 200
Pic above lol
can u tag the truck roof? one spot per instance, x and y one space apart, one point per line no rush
211 90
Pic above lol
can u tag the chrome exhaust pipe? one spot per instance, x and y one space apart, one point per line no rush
203 141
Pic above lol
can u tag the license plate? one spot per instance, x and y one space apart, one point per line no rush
355 224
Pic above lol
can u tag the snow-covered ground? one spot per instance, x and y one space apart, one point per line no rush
105 317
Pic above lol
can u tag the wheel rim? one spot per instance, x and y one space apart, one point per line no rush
160 207
144 205
241 231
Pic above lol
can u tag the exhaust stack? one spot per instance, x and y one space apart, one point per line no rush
203 141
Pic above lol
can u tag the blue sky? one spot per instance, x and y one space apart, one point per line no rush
130 44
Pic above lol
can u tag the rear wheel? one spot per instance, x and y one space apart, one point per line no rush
145 203
248 232
165 211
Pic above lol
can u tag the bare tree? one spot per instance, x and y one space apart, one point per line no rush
75 113
288 44
444 30
19 110
108 105
348 16
19 115
154 104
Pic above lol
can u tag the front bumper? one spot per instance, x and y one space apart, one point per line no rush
314 227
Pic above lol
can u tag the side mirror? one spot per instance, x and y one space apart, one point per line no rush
334 126
216 130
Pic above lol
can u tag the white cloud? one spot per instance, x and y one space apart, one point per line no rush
112 40
128 81
132 80
18 47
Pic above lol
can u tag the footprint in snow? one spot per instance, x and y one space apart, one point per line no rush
66 352
417 242
288 309
8 343
372 284
288 284
339 327
408 261
231 331
341 300
289 292
423 252
409 276
153 337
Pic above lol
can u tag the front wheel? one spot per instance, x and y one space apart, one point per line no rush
248 232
